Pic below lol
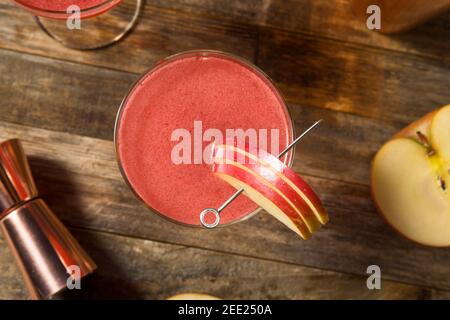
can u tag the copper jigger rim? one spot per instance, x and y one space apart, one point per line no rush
23 201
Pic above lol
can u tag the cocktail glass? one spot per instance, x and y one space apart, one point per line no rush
220 89
85 24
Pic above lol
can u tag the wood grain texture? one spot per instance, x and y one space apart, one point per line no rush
310 72
140 269
79 179
160 32
366 86
61 96
322 18
84 100
350 79
229 25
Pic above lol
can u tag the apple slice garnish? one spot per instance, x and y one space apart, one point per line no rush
286 176
410 180
263 177
259 191
261 170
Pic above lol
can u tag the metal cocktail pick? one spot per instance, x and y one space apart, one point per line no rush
216 212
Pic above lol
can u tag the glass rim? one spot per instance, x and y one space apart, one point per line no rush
205 52
60 15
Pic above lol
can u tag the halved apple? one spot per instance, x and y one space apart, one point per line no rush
259 190
410 180
261 170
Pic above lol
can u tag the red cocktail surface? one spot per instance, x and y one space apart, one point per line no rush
220 90
58 8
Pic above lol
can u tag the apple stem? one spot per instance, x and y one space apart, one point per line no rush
238 193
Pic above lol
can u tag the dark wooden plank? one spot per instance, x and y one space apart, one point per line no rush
364 81
61 96
161 32
325 18
78 177
441 295
310 72
139 269
218 22
83 100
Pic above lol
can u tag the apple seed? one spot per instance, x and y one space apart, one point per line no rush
424 141
442 183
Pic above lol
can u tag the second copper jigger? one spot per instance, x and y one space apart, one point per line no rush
45 251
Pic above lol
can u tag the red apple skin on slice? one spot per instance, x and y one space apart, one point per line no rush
222 154
302 186
263 195
286 174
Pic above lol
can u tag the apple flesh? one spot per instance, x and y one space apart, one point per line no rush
192 296
410 180
440 133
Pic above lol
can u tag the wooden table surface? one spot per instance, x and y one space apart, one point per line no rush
366 86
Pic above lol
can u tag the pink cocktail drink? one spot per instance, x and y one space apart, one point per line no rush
58 9
194 92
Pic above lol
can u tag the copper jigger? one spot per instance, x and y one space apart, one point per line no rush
45 251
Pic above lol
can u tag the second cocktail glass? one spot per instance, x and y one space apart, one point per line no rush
102 22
